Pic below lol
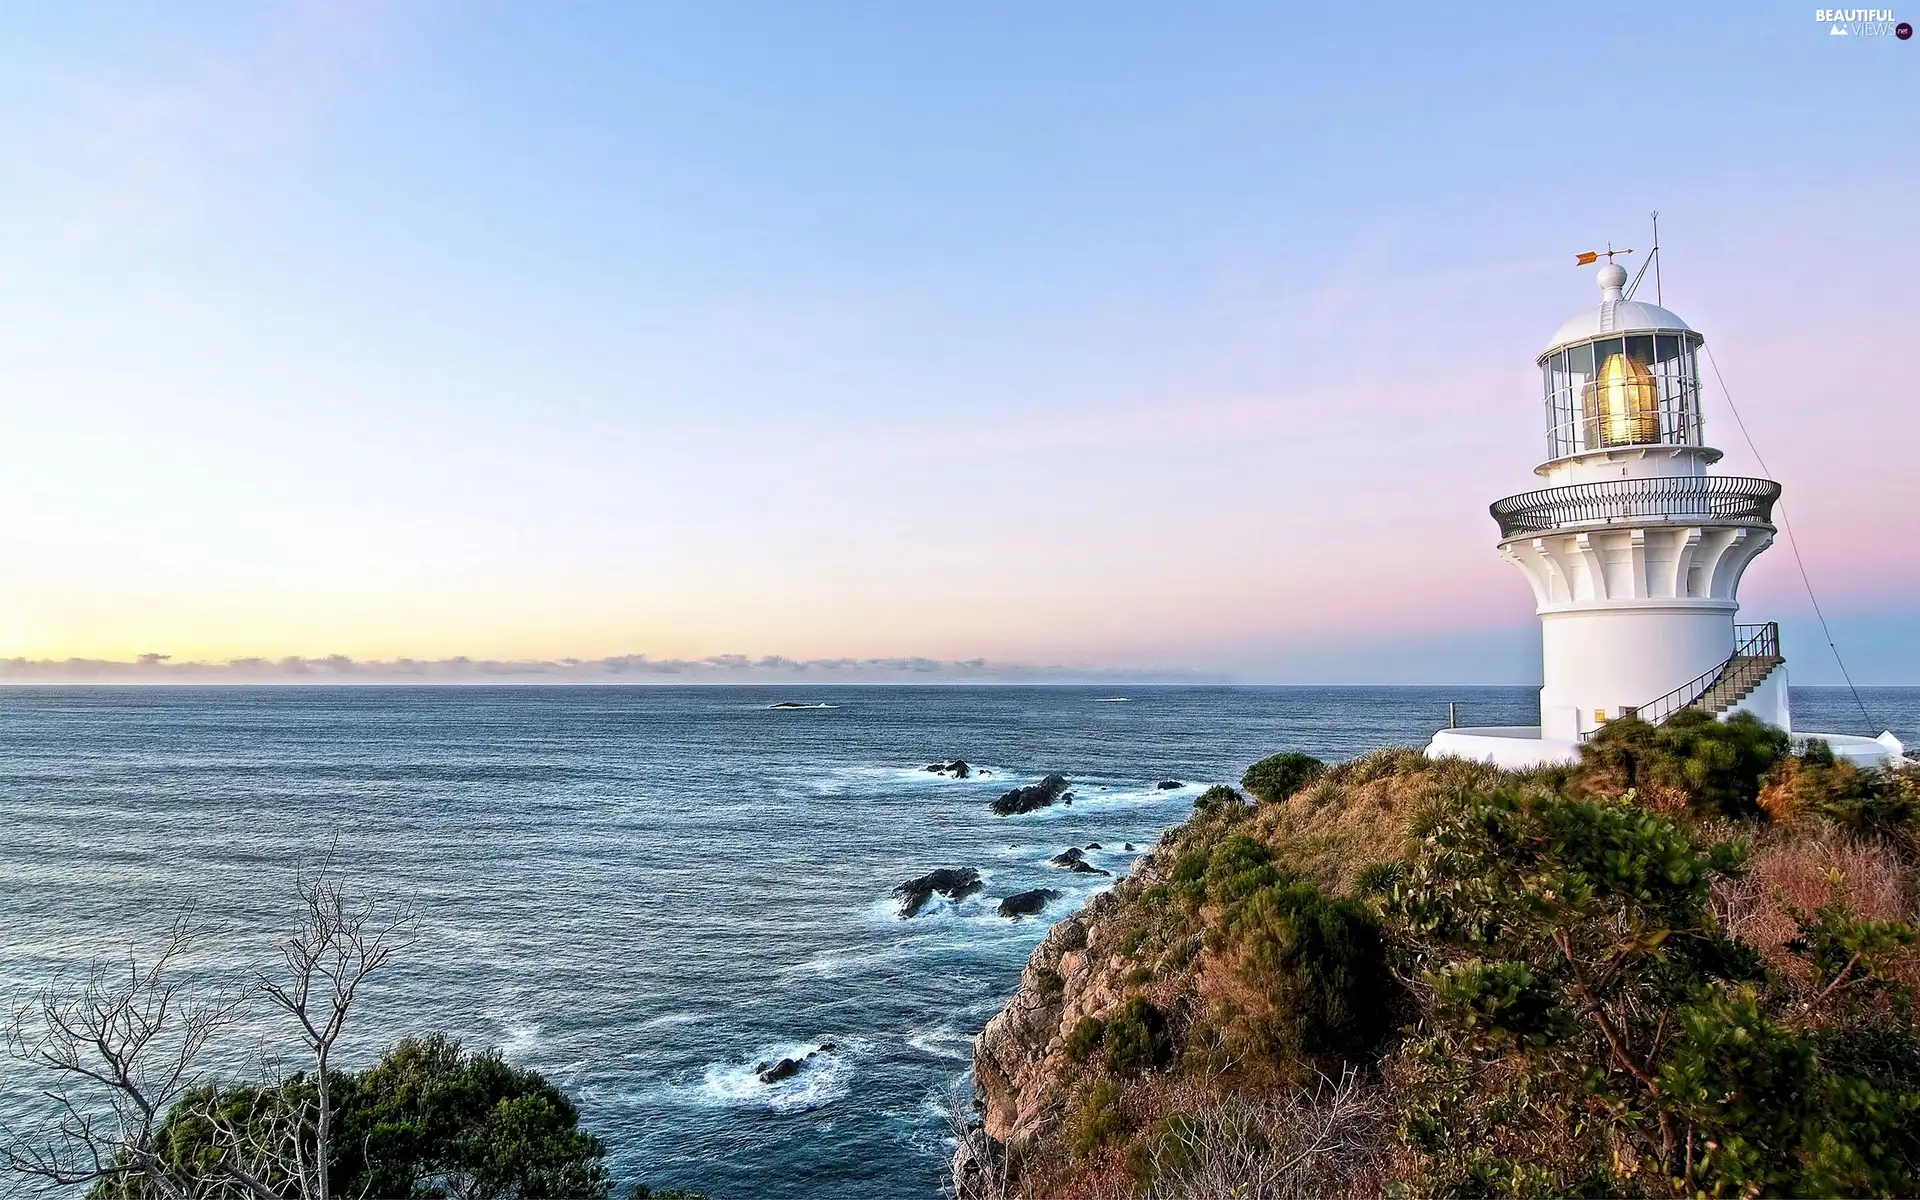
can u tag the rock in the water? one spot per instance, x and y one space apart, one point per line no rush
958 768
1081 866
1129 847
955 883
1025 904
1167 785
1034 795
1067 857
787 1068
1093 845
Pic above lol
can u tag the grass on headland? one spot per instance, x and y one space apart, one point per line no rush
1684 966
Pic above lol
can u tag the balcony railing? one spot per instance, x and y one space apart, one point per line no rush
1663 500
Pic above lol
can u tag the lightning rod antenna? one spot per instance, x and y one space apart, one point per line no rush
1654 257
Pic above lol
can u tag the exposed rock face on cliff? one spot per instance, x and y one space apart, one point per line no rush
1017 1058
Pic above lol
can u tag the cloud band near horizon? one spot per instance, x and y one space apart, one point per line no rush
624 668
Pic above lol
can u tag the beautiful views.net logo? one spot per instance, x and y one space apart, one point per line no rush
1862 22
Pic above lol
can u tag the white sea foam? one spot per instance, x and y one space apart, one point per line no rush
666 1020
1097 797
837 779
820 1081
943 1041
522 1037
835 962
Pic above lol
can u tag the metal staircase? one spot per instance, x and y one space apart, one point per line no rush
1756 655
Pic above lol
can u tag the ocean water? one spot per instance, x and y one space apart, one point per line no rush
644 892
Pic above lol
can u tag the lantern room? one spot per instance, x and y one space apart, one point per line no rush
1623 375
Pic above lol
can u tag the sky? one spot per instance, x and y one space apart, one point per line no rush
1172 341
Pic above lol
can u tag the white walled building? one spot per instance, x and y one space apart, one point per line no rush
1634 551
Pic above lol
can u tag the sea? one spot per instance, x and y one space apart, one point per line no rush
646 893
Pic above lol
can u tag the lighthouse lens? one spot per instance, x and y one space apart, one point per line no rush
1621 406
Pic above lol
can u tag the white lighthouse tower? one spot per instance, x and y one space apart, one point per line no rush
1634 550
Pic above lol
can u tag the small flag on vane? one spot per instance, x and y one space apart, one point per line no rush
1590 256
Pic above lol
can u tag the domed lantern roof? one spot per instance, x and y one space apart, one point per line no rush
1623 374
1615 314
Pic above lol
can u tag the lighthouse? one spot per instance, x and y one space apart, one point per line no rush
1634 547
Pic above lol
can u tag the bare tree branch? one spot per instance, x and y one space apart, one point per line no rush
121 1048
338 943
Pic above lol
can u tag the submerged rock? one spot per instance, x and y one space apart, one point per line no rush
1033 796
1075 859
1093 845
1167 785
1025 904
787 1068
955 883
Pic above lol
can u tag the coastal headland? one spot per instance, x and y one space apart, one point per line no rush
1685 963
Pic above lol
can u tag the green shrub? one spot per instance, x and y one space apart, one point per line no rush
1238 867
1772 1118
1716 765
1220 799
1096 1123
1492 1002
1278 776
1085 1037
1190 867
427 1119
1178 1149
1851 956
1379 878
1815 784
1323 964
1048 983
1137 1040
1588 1017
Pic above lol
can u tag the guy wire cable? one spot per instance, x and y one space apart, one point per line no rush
1793 544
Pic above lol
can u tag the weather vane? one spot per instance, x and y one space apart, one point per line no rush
1587 258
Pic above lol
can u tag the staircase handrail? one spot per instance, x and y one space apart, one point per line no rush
1751 641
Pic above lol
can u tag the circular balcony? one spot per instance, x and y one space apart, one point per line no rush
1662 500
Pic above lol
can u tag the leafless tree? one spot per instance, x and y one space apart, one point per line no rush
267 1153
1324 1142
126 1046
338 943
122 1048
